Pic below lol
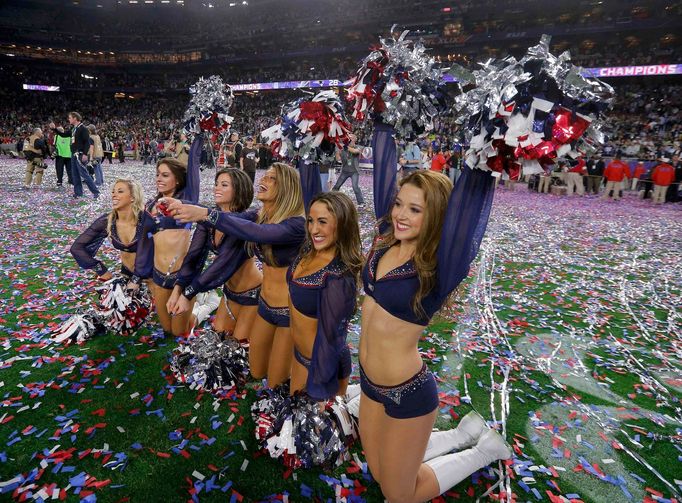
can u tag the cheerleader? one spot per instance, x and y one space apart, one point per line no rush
429 234
322 291
232 266
122 225
164 243
274 234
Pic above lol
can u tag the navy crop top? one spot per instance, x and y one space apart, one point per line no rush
230 256
328 295
465 222
144 261
85 247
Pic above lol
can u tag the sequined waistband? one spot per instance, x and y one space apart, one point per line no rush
396 392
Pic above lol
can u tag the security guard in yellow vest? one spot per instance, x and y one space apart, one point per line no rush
35 150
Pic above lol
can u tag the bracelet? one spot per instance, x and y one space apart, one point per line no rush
135 279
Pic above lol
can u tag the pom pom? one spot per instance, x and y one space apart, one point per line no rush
294 429
521 115
208 362
121 310
79 328
309 128
398 84
209 107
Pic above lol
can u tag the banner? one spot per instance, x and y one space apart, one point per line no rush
601 72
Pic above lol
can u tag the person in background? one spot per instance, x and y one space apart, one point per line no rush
545 180
438 160
80 146
663 176
121 150
35 150
249 159
637 174
96 154
62 159
574 177
350 168
615 173
108 147
182 149
595 171
413 158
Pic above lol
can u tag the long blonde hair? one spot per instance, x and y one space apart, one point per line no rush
436 188
348 245
288 203
137 204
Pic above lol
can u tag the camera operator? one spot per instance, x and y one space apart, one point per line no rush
80 145
35 150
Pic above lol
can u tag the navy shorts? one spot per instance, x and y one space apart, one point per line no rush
278 316
166 281
247 298
415 397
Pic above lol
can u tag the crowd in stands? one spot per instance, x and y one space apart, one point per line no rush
645 123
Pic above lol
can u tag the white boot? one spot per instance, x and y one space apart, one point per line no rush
468 431
352 390
451 469
353 406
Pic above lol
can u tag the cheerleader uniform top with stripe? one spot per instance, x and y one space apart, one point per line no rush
144 260
85 247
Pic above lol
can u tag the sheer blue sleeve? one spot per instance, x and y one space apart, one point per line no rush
86 245
231 256
196 256
191 191
465 223
311 183
144 255
289 232
336 305
385 171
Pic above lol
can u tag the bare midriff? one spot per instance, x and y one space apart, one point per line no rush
170 248
274 289
248 276
303 331
388 345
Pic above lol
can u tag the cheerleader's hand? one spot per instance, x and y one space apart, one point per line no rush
322 406
181 306
185 213
172 300
132 286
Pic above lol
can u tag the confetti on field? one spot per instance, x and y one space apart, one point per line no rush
566 337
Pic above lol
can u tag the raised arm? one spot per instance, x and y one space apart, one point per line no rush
191 192
385 169
289 232
310 180
86 245
465 223
336 306
195 259
230 258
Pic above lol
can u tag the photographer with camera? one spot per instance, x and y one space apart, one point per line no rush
35 150
80 146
